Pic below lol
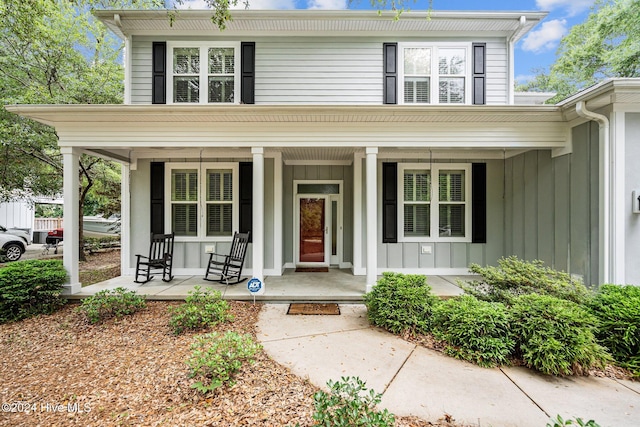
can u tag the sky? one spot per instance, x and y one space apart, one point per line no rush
535 51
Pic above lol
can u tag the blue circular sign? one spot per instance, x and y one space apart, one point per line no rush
254 285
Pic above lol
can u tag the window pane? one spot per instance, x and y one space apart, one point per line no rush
184 219
186 89
416 89
417 220
452 90
451 61
186 60
417 61
221 89
451 221
221 60
219 185
451 186
219 221
417 186
184 185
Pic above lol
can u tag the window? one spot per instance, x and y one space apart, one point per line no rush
203 200
441 213
203 74
440 70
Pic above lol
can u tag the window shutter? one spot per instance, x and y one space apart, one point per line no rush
246 197
390 73
248 72
479 203
479 73
157 197
389 203
159 73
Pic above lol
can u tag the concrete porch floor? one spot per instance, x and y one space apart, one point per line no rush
335 286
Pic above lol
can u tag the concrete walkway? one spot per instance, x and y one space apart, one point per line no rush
427 384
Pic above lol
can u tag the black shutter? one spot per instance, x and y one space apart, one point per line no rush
157 197
390 72
159 73
479 203
389 203
246 197
248 72
479 73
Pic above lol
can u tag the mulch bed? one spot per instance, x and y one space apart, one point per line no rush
132 372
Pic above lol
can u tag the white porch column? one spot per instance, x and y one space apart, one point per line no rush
257 231
71 251
125 218
372 217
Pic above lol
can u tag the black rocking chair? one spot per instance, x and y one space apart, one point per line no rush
160 259
231 267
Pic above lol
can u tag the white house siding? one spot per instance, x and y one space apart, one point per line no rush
632 231
189 255
551 206
497 71
310 70
141 70
18 214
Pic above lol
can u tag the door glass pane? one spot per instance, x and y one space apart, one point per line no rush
319 188
334 227
312 230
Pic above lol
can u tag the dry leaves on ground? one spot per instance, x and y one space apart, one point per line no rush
131 371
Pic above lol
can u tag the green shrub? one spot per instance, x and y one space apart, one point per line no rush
401 303
200 310
32 287
216 359
560 422
474 330
111 303
556 336
514 277
350 403
618 310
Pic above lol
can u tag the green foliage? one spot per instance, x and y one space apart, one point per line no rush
514 277
28 288
216 359
93 244
474 330
350 404
401 303
618 309
560 422
556 336
200 310
111 303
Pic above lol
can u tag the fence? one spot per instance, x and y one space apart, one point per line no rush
46 224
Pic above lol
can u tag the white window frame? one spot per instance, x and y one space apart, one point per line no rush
434 88
202 168
203 97
435 169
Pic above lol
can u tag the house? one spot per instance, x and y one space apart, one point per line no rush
350 139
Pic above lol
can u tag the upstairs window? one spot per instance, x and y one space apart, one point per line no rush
434 74
203 74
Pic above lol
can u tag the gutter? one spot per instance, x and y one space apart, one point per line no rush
511 42
606 206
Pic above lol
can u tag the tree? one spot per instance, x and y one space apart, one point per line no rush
606 45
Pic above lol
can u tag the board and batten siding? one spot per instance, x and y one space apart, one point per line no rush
551 206
190 255
320 70
446 255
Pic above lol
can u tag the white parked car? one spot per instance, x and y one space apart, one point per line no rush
11 247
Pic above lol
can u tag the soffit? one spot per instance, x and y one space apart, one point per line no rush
320 23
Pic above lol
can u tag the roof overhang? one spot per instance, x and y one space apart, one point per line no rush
620 92
320 23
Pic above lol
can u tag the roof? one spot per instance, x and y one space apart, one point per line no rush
513 25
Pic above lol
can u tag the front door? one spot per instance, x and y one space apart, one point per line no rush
313 230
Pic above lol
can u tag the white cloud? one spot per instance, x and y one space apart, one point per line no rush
573 7
524 78
546 38
327 4
253 4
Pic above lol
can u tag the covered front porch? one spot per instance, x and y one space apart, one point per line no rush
337 285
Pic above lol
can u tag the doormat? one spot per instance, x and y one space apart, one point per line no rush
312 269
314 308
